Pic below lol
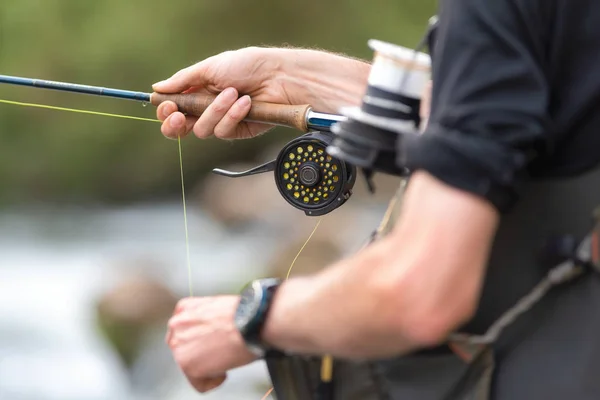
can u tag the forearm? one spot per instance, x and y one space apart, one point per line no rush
325 80
404 292
340 311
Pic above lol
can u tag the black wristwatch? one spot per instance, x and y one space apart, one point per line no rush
252 311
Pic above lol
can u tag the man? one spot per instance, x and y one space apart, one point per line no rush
515 99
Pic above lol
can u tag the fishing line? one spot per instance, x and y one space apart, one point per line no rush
185 219
75 110
103 114
266 395
302 248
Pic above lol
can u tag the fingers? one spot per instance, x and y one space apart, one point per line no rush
229 126
226 108
165 109
184 79
222 118
182 320
204 303
184 303
204 385
188 303
175 124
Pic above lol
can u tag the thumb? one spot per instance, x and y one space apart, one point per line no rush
214 383
204 385
182 80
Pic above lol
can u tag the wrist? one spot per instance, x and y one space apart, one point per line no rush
252 312
326 81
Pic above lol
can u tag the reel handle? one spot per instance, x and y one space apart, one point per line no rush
292 116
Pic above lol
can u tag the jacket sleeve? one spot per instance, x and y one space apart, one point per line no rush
490 98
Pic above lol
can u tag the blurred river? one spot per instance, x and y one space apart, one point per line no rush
54 264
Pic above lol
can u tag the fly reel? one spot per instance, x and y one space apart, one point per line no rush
308 177
378 134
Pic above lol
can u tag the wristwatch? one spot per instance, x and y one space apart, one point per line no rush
252 311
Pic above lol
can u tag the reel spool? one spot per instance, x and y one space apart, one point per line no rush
373 134
306 176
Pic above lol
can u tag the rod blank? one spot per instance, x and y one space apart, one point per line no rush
76 88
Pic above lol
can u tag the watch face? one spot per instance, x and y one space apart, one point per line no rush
247 308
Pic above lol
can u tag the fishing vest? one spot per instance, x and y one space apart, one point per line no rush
552 234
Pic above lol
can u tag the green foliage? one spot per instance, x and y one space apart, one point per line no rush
61 157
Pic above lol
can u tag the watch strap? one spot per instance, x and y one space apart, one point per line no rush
252 335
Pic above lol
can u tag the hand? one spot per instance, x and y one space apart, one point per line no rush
205 342
284 76
250 71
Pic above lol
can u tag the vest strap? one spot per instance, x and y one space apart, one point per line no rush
585 258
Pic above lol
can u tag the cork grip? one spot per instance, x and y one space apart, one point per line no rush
277 114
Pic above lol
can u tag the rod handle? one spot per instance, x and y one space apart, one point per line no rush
292 116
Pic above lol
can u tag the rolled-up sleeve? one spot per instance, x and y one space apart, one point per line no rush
489 116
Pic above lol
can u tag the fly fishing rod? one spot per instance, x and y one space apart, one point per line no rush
300 117
307 177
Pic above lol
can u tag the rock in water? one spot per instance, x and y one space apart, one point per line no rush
131 311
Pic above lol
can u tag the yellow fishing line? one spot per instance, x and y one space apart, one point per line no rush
302 249
266 396
288 276
187 243
185 220
75 110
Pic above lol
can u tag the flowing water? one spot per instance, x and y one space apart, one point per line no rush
54 264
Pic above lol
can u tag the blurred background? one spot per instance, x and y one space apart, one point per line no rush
92 244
